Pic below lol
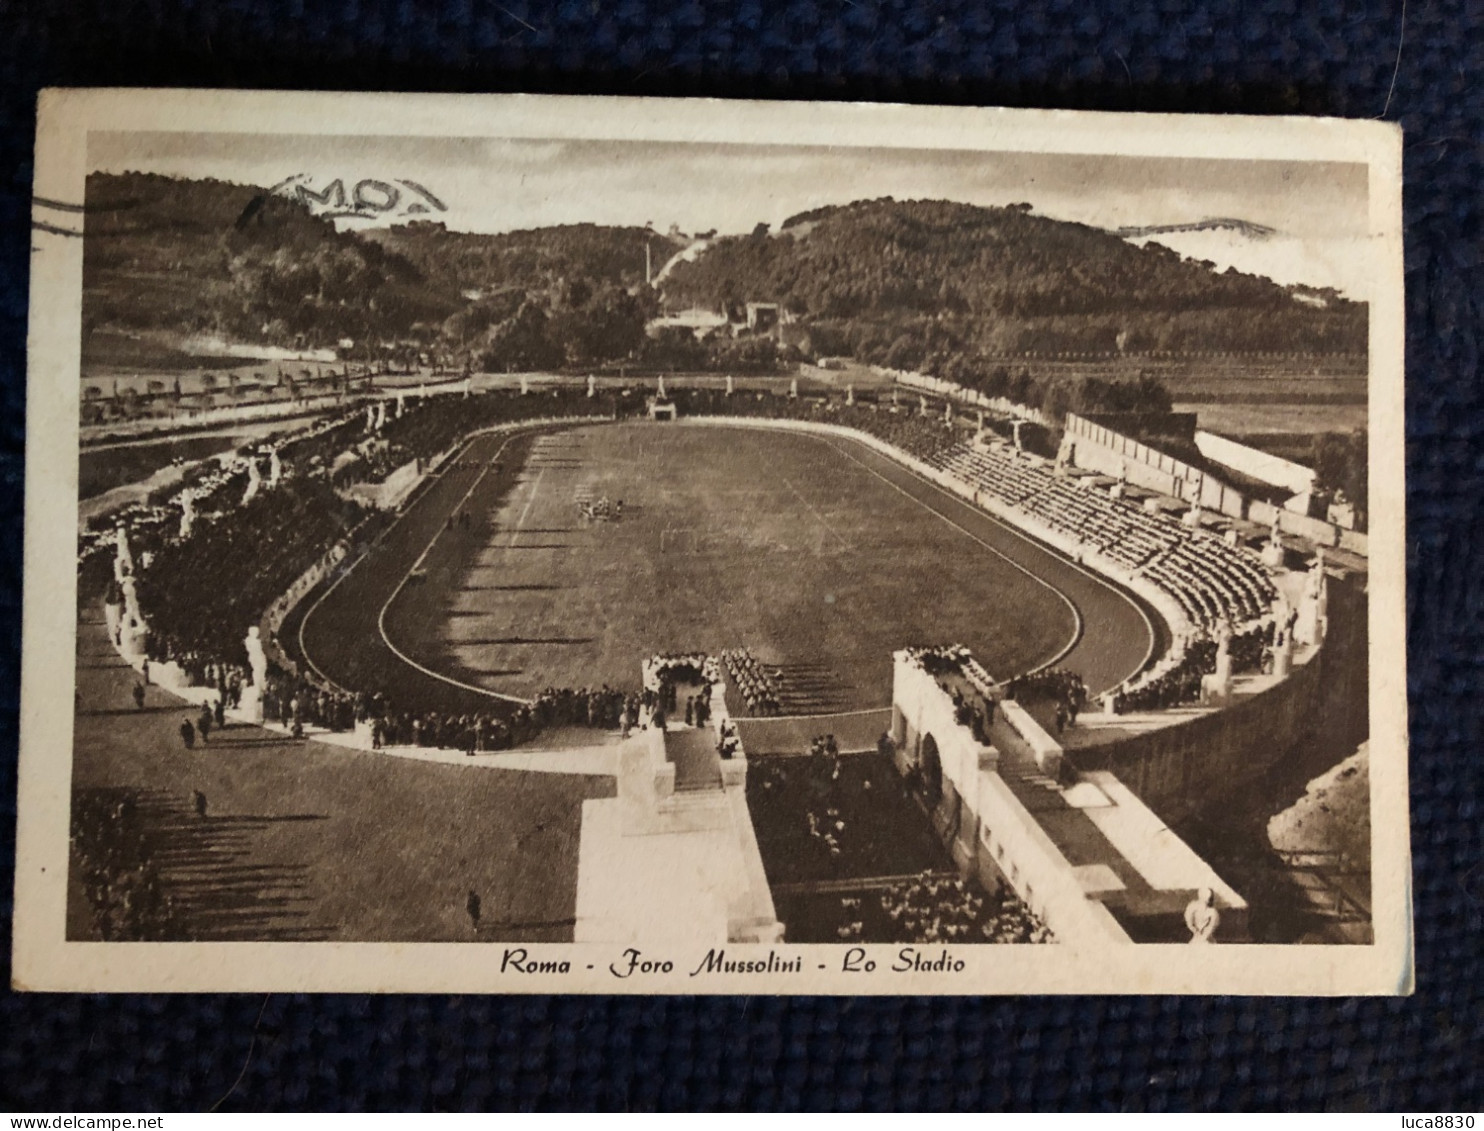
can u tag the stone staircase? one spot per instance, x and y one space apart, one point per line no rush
692 751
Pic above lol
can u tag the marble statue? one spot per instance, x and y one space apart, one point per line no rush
257 660
1201 916
254 480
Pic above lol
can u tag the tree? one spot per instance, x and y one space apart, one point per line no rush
905 353
1057 401
609 326
521 342
1340 464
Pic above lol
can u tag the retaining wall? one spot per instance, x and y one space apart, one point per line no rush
1178 770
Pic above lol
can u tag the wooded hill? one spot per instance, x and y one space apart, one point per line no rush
929 285
168 258
895 281
181 257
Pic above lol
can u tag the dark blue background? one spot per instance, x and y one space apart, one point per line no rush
1252 56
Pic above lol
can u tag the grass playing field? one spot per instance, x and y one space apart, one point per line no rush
303 841
783 543
821 555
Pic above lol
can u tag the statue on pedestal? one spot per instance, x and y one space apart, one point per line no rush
370 419
947 412
254 480
123 558
661 391
187 512
1318 586
895 400
730 388
1224 652
257 660
793 389
850 394
1309 625
592 386
1201 916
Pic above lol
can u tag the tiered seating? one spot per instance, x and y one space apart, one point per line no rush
1010 479
1210 580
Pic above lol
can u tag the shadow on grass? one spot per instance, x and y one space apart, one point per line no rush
149 866
504 589
494 640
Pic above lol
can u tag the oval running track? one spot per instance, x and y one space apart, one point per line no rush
338 628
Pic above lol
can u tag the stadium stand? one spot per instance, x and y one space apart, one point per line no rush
1212 582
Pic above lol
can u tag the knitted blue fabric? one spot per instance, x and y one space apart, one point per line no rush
60 1053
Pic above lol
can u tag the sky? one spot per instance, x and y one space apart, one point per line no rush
492 185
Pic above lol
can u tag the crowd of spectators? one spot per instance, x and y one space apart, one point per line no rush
902 426
1250 651
113 863
431 426
298 703
200 594
933 908
1051 685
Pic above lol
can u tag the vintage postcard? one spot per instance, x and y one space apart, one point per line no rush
530 544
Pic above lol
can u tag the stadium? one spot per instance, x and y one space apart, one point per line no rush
915 572
943 676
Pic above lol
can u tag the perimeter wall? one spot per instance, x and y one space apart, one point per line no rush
1321 709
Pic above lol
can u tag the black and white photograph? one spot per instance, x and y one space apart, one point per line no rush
598 545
